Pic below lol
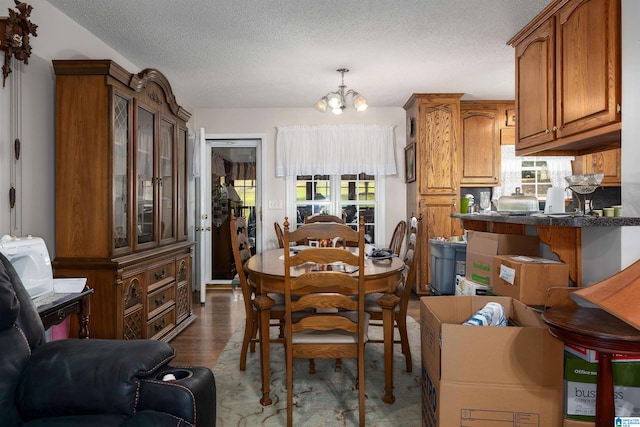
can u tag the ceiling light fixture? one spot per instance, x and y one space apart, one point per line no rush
336 101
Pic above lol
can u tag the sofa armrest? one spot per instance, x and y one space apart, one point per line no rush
191 396
88 376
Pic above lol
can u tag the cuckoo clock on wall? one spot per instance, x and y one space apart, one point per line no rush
15 33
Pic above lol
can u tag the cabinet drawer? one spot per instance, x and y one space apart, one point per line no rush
160 299
161 324
160 275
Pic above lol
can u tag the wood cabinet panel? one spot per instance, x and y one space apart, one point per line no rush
607 162
482 123
568 78
121 188
435 193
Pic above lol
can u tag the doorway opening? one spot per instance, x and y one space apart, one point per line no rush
235 188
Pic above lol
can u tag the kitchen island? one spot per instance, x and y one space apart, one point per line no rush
589 244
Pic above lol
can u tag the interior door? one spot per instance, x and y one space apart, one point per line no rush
203 221
230 180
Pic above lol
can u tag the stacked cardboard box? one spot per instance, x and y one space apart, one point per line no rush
488 375
482 247
527 278
466 286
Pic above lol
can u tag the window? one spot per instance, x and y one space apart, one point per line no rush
534 175
346 196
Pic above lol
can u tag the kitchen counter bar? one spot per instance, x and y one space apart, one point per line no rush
564 235
569 221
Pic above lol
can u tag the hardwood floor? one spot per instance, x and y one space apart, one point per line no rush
201 343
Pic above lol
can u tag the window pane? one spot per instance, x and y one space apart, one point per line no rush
355 196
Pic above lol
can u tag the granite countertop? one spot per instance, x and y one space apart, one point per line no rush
558 221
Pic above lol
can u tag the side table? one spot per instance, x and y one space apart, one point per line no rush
598 330
54 308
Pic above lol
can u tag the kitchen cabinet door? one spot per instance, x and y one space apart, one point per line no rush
606 162
534 87
480 154
587 66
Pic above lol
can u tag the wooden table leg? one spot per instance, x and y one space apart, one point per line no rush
605 407
388 303
83 318
263 303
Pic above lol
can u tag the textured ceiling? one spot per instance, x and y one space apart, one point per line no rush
284 53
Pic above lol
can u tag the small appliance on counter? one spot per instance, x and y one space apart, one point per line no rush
555 201
518 204
30 258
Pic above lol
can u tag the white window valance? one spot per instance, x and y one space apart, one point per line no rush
335 150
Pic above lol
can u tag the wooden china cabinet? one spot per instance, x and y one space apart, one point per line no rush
433 122
568 78
121 205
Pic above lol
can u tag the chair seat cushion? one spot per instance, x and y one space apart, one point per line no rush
333 336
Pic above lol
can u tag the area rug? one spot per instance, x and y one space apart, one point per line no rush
327 398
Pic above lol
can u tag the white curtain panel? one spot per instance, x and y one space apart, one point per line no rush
557 166
335 150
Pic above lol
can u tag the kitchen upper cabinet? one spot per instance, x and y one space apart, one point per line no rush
482 126
606 162
121 203
433 123
568 79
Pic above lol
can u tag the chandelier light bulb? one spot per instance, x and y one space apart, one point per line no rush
359 102
336 101
321 105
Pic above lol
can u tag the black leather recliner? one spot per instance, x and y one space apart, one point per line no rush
90 382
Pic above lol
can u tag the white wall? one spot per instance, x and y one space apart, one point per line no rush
34 84
265 120
631 129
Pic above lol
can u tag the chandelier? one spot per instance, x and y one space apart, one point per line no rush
336 101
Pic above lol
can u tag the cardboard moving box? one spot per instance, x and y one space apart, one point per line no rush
580 389
482 247
487 375
466 286
527 278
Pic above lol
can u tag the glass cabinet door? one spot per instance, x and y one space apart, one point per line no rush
182 183
121 232
144 178
167 203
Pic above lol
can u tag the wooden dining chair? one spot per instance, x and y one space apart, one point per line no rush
324 304
323 218
279 234
403 291
248 294
398 237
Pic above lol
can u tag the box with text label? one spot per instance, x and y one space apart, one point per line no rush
527 278
466 286
488 375
482 247
580 388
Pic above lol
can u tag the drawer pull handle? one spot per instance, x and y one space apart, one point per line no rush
61 314
161 301
159 326
160 275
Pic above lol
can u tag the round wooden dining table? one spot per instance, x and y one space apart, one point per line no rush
266 273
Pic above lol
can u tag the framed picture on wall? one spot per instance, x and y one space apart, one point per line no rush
410 162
